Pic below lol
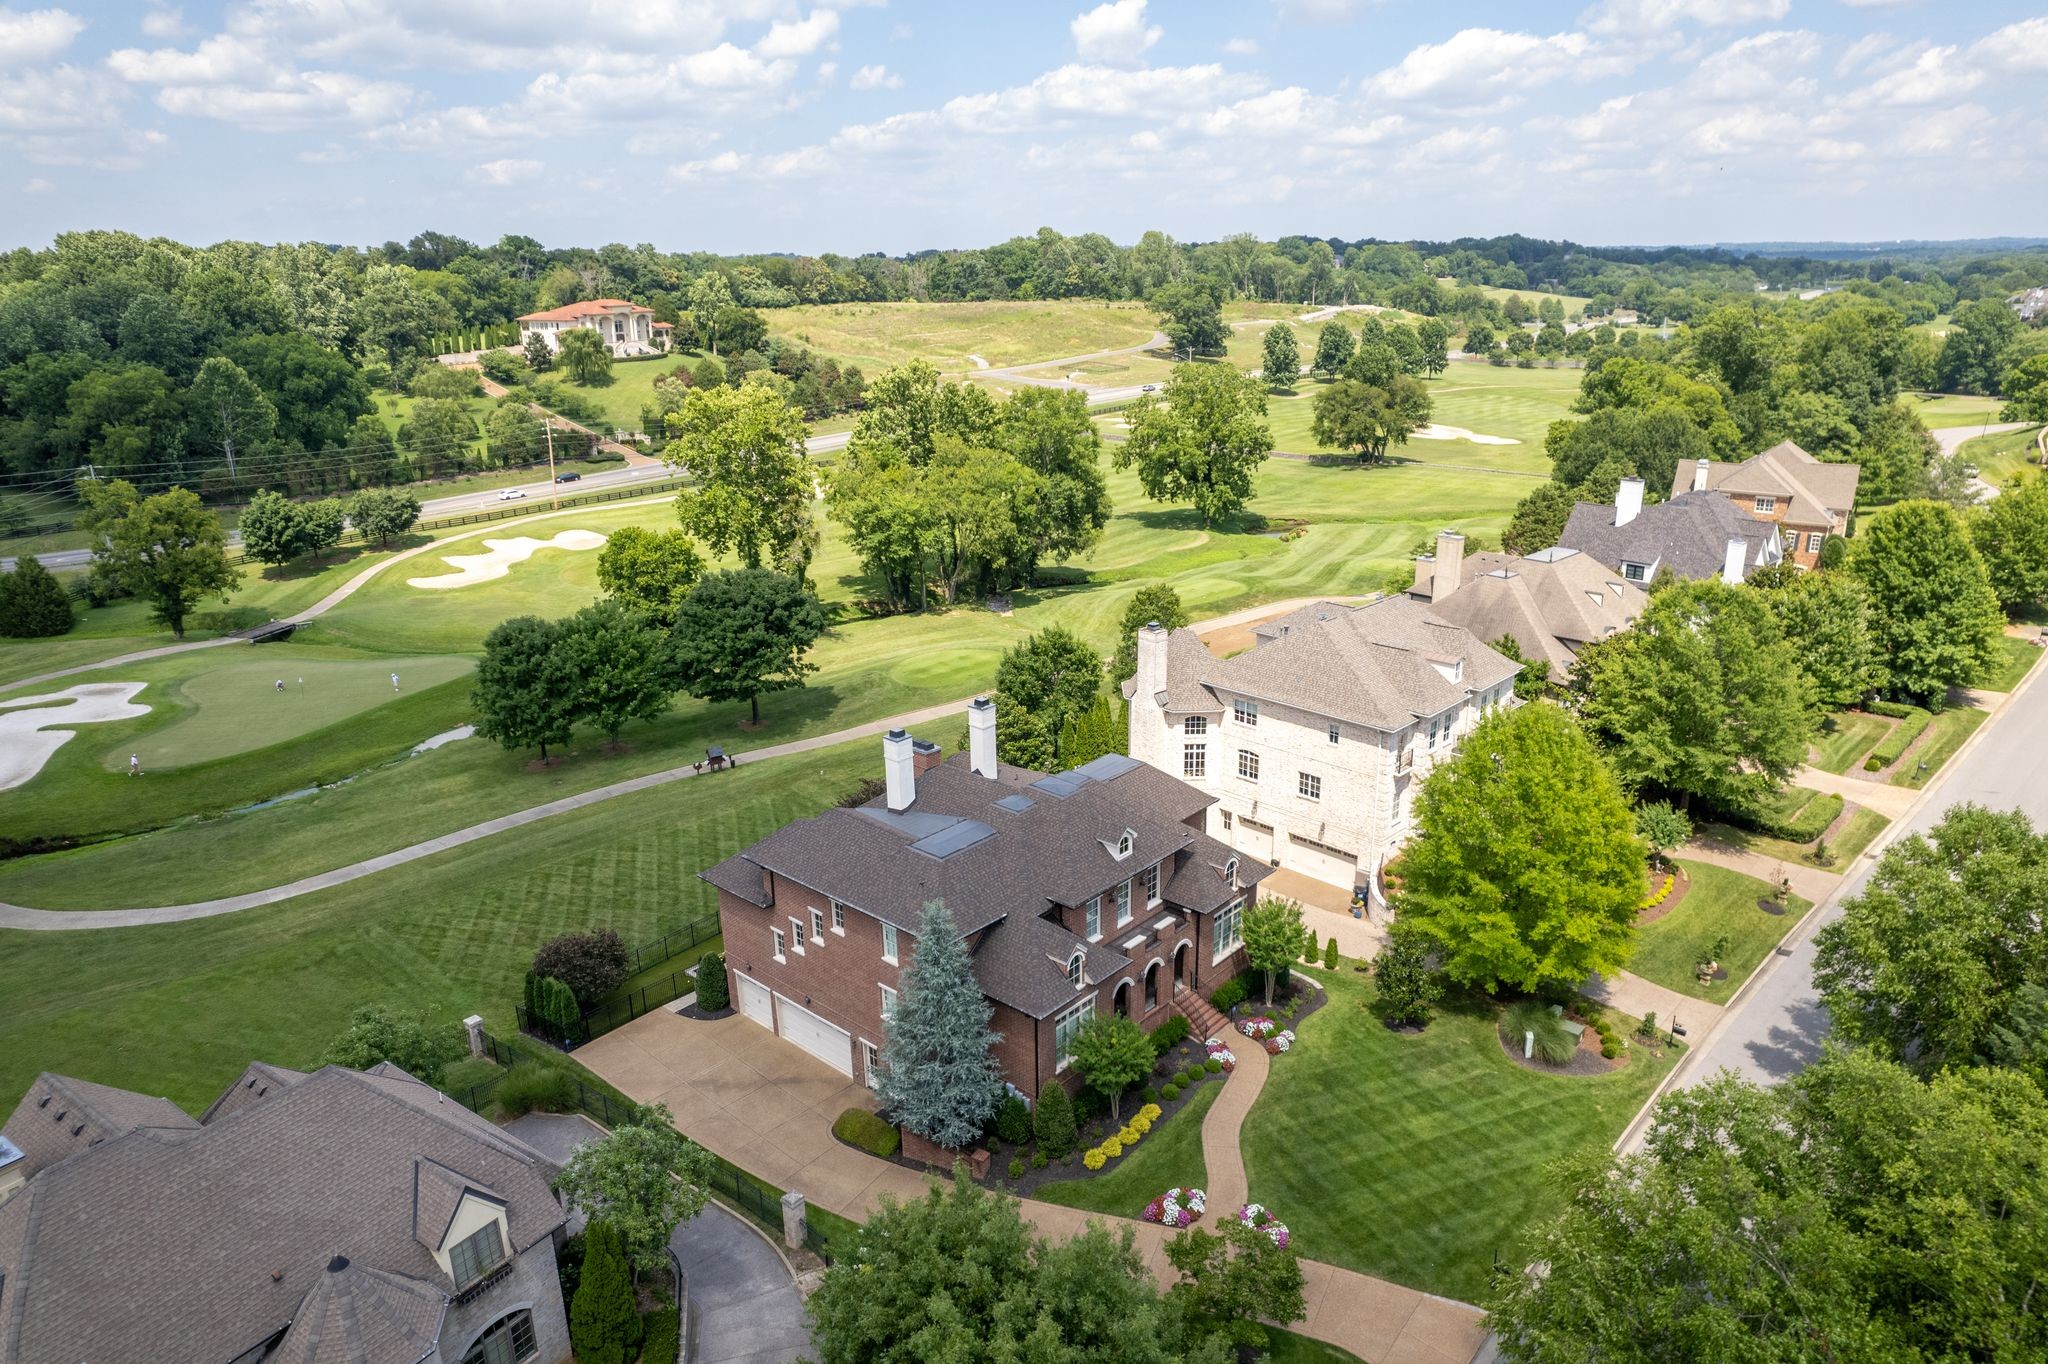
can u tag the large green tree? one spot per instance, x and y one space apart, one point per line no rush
881 502
1052 676
584 355
228 414
1281 354
1233 1280
527 688
1272 931
1525 870
1334 345
1852 1213
380 513
1191 314
2025 387
2011 536
1648 443
1933 956
940 1075
620 659
604 1318
377 1033
1538 519
1367 418
745 448
1153 603
1973 354
1049 432
649 570
438 436
1112 1053
1825 616
743 632
273 528
166 549
1204 444
33 604
1704 698
1933 611
644 1178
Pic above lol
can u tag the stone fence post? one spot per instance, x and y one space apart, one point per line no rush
474 1026
793 1227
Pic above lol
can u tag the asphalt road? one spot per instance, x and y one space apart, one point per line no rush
1776 1028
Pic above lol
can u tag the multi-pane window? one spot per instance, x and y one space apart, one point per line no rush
838 917
817 925
1067 1025
1123 904
1333 731
1152 884
1633 572
1195 724
889 943
1310 786
477 1254
888 1004
1229 931
1766 504
796 934
781 943
1093 915
1226 818
1247 712
1074 969
1813 539
507 1341
1247 764
1194 760
1124 845
1432 733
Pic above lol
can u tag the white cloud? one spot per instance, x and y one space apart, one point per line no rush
802 38
1115 33
875 78
292 102
1488 62
1920 76
725 163
36 36
506 171
1656 16
827 72
163 21
1763 65
36 185
1865 49
1242 47
1320 11
2016 47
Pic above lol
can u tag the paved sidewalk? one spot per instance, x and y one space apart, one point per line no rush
768 1107
1229 1187
1890 801
1633 995
1810 882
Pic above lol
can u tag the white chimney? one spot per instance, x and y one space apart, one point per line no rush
899 770
1734 567
1699 475
1628 500
1449 569
1150 679
981 736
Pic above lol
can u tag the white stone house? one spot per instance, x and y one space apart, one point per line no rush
1315 741
627 328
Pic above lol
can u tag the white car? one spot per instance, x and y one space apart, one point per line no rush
1149 388
510 495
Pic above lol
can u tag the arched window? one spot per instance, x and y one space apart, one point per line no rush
508 1340
1230 871
1074 969
1125 844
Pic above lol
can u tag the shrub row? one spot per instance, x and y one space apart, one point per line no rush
1805 824
868 1131
663 1342
1117 1143
1661 894
1893 746
1169 1035
1891 710
1230 994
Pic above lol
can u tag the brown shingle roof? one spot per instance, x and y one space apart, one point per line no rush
162 1244
1821 494
60 1117
356 1315
1550 602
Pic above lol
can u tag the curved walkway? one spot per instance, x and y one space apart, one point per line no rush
1229 1187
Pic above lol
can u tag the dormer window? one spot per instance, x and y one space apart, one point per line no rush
1124 844
476 1254
1074 968
1245 712
1230 872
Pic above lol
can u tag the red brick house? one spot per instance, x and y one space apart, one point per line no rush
1094 890
1807 498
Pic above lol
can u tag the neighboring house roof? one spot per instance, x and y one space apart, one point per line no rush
1000 852
60 1117
1816 493
1690 533
593 307
356 1315
258 1082
1381 665
193 1243
1550 602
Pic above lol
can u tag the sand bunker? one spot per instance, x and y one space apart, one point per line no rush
482 568
25 745
1434 432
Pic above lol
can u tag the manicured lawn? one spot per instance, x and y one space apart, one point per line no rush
1285 1347
1850 734
1169 1156
1863 826
1940 411
178 1009
876 336
1943 738
1999 457
1416 1158
2020 658
1720 903
1573 303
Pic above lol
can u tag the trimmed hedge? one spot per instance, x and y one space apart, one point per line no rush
1661 894
1891 710
1168 1035
1803 823
868 1131
1230 994
1893 746
663 1343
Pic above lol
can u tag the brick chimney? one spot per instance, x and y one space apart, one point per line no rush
924 756
981 736
899 770
1628 501
1448 572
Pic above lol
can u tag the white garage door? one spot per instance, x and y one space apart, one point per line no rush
1253 839
1324 863
754 1002
829 1044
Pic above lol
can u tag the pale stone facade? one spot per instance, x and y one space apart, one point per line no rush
1315 743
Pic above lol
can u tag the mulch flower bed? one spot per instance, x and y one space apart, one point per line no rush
692 1011
1681 883
1587 1060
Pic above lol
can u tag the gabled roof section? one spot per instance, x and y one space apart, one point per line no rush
1822 494
1375 665
60 1116
258 1082
593 307
437 1196
1551 602
356 1315
1690 533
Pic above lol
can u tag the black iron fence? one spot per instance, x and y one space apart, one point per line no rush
627 1005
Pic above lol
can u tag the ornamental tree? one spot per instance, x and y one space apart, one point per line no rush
1933 612
743 632
644 1178
1272 931
1282 356
583 353
1234 1279
940 1076
1662 828
1930 959
1112 1053
1406 981
33 604
1204 444
604 1318
591 964
648 570
1526 870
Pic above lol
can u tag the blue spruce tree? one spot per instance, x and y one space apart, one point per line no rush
940 1078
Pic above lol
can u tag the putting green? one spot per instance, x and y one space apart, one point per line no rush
236 708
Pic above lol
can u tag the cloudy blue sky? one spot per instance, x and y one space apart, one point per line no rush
774 125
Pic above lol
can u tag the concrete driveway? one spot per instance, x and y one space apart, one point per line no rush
744 1304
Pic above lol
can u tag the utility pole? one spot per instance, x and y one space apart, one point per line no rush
554 488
